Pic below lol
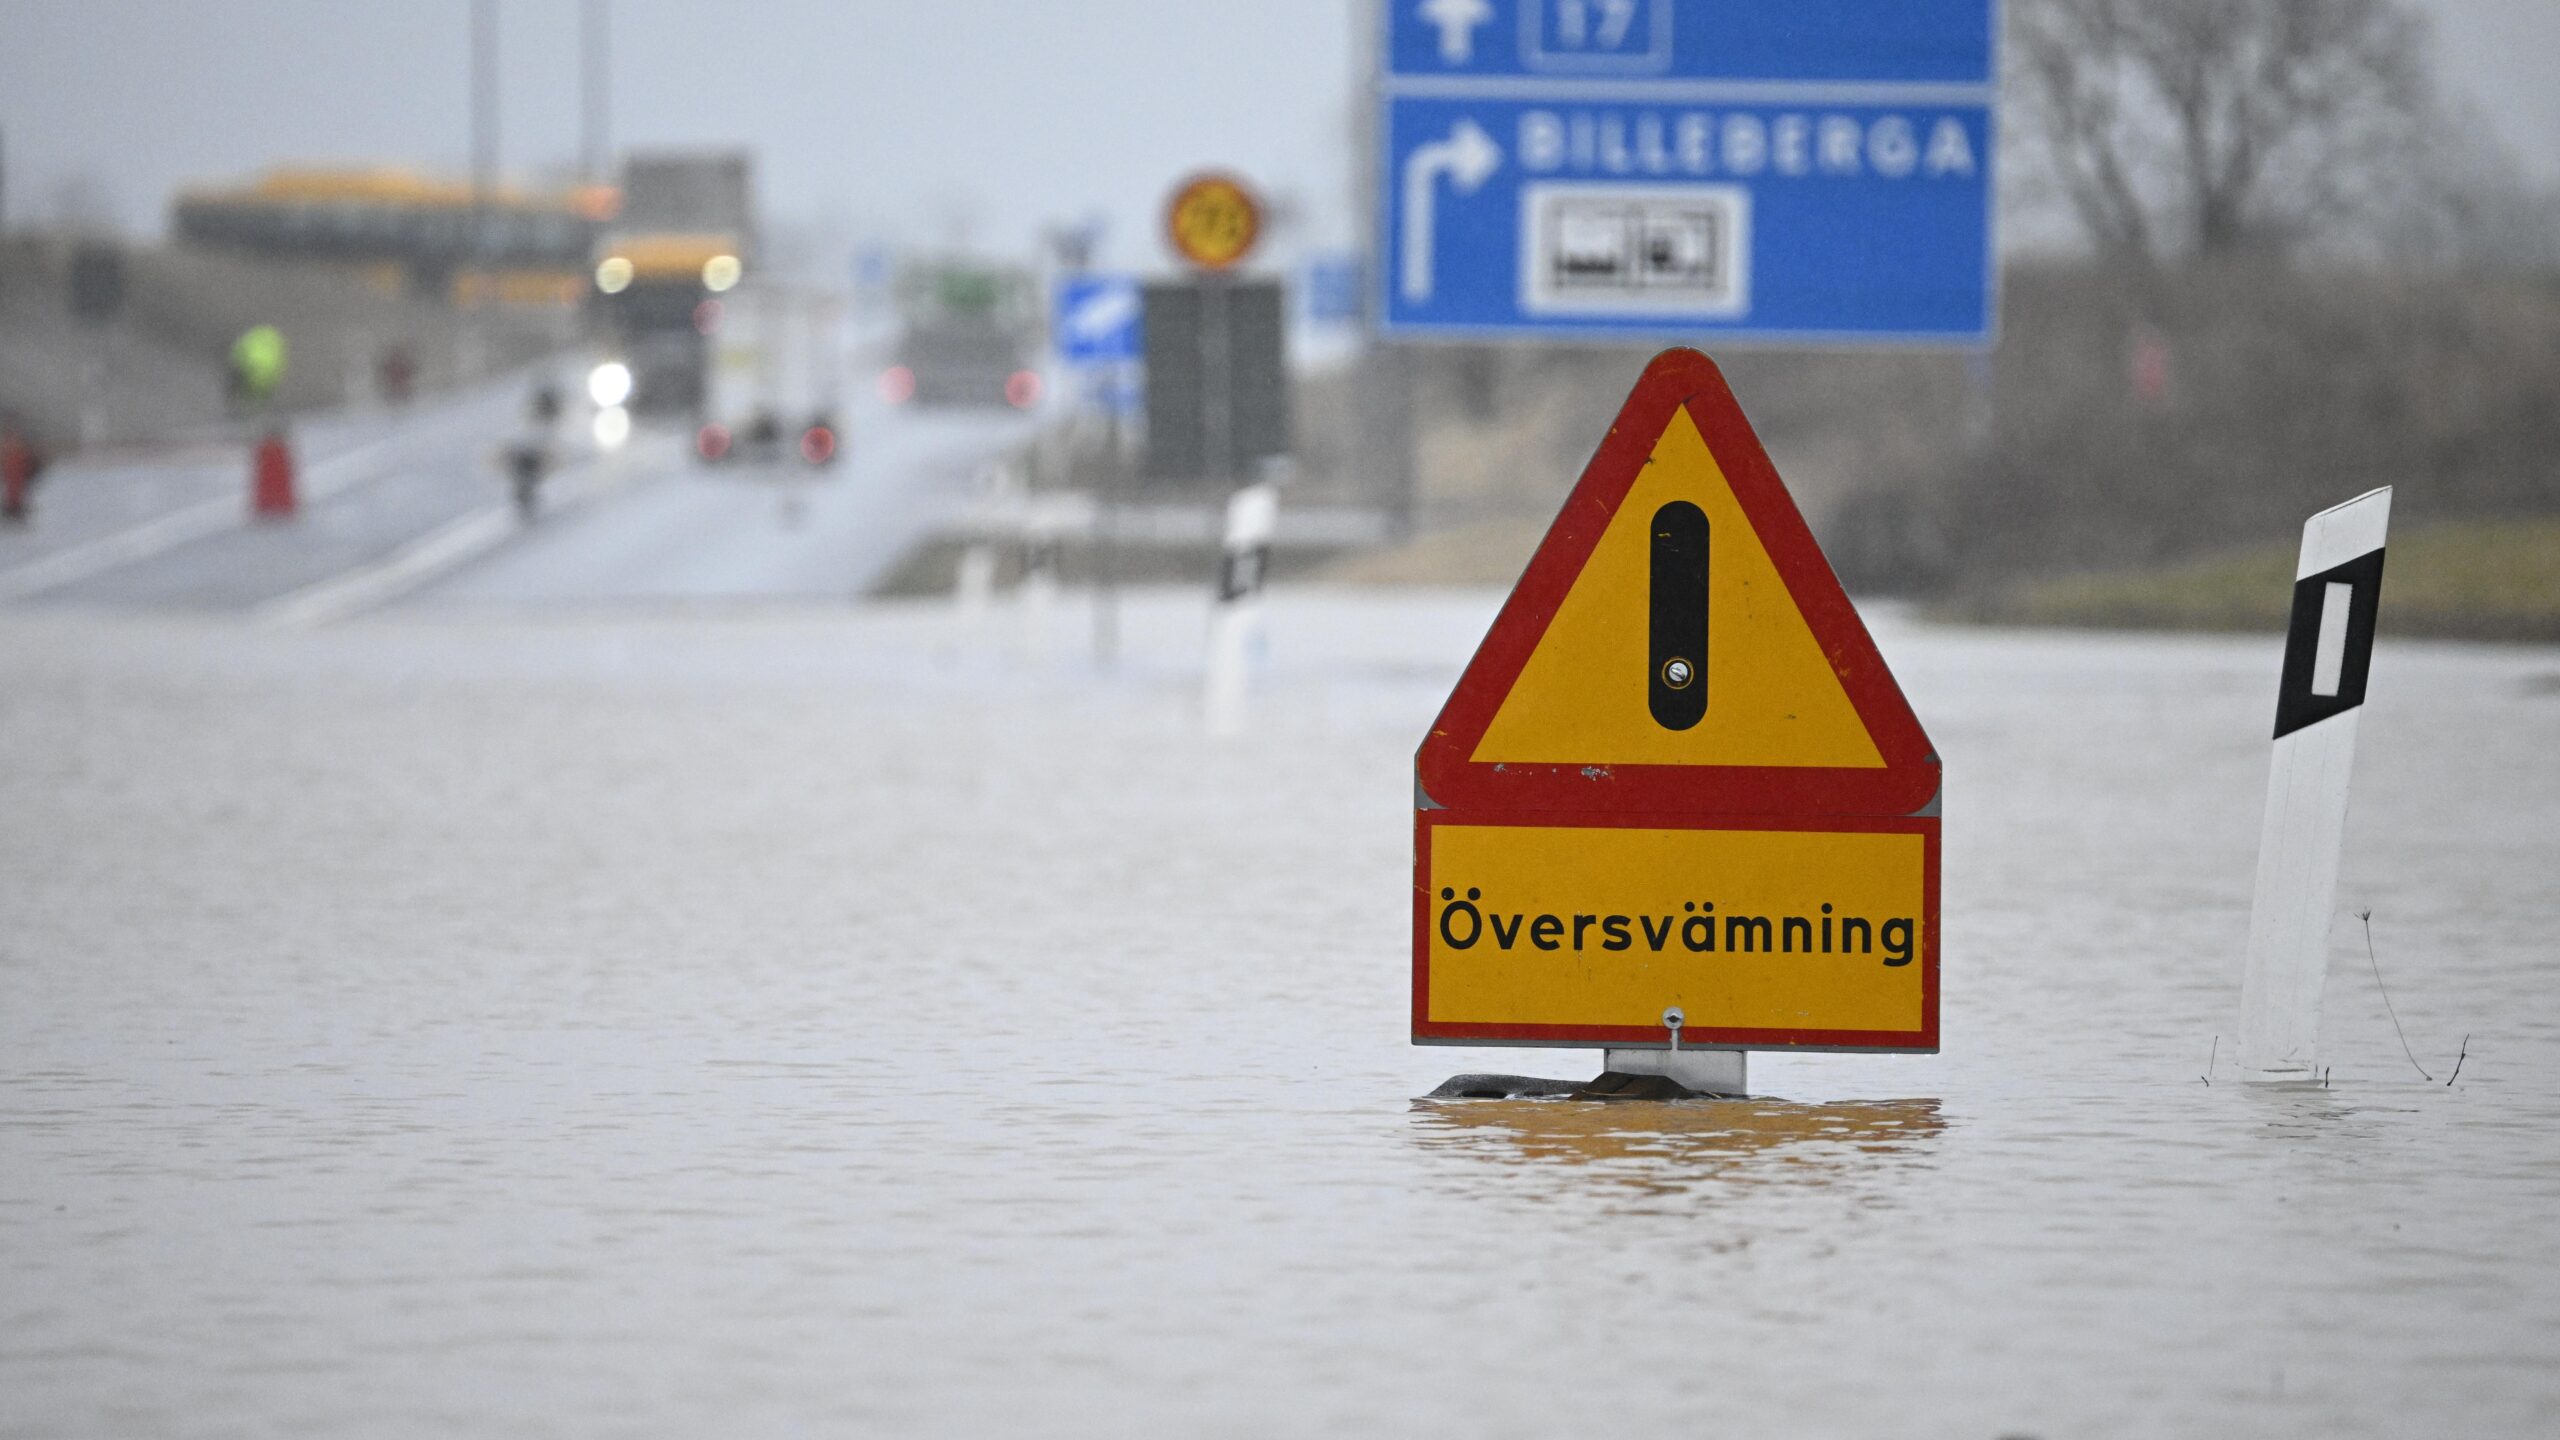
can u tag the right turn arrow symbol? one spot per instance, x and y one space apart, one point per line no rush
1468 157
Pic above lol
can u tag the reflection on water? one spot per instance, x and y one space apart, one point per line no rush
2310 1110
1673 1146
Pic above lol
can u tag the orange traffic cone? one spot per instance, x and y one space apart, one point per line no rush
271 479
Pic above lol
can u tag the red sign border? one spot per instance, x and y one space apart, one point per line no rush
1183 190
1923 1041
1909 779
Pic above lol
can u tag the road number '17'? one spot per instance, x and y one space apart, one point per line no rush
1574 28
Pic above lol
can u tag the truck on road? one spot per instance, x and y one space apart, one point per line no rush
683 237
968 334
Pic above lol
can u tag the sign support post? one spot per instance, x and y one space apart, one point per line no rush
1095 330
1708 1072
1214 361
1217 379
1106 546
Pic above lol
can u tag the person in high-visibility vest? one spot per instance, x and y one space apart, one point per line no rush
257 363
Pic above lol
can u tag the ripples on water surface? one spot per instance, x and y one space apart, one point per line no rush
773 1024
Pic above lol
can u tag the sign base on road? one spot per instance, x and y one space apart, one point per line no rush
1707 1072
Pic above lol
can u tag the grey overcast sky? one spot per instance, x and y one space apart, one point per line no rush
914 120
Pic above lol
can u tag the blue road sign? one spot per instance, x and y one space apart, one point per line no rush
1798 170
1903 42
873 269
1330 287
1116 390
1096 319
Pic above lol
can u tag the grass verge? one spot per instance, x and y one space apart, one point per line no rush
2476 580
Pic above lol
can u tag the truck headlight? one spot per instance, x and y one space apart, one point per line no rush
609 384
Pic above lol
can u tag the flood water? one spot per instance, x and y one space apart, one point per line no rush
754 1023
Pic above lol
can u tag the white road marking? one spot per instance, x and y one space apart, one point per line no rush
178 527
457 541
318 482
366 586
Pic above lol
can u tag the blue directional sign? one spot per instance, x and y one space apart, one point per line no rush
1096 320
1114 390
874 269
1801 170
1329 287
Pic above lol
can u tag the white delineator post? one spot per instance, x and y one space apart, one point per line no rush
2328 650
973 585
1253 513
1038 593
973 579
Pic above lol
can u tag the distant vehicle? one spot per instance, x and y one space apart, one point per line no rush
775 370
969 334
682 239
759 438
820 441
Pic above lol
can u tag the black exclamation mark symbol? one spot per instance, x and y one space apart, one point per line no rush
1677 657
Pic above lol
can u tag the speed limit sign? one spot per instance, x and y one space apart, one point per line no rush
1213 221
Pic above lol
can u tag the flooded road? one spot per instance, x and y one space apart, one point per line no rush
810 1021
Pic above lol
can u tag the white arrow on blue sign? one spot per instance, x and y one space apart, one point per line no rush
1096 319
1762 169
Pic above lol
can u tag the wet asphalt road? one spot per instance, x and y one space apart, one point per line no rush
645 523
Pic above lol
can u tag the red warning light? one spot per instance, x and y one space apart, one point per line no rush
1022 389
897 384
818 445
711 441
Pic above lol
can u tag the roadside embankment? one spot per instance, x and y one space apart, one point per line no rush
1485 552
2476 580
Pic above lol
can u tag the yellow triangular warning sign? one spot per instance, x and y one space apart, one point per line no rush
1768 694
1678 643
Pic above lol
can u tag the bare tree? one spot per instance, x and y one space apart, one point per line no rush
2214 127
2477 211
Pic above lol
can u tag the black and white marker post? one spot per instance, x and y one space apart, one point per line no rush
2328 651
1253 512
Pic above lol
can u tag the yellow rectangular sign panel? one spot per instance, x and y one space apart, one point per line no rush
1807 934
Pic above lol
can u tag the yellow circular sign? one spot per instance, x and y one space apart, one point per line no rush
1213 221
